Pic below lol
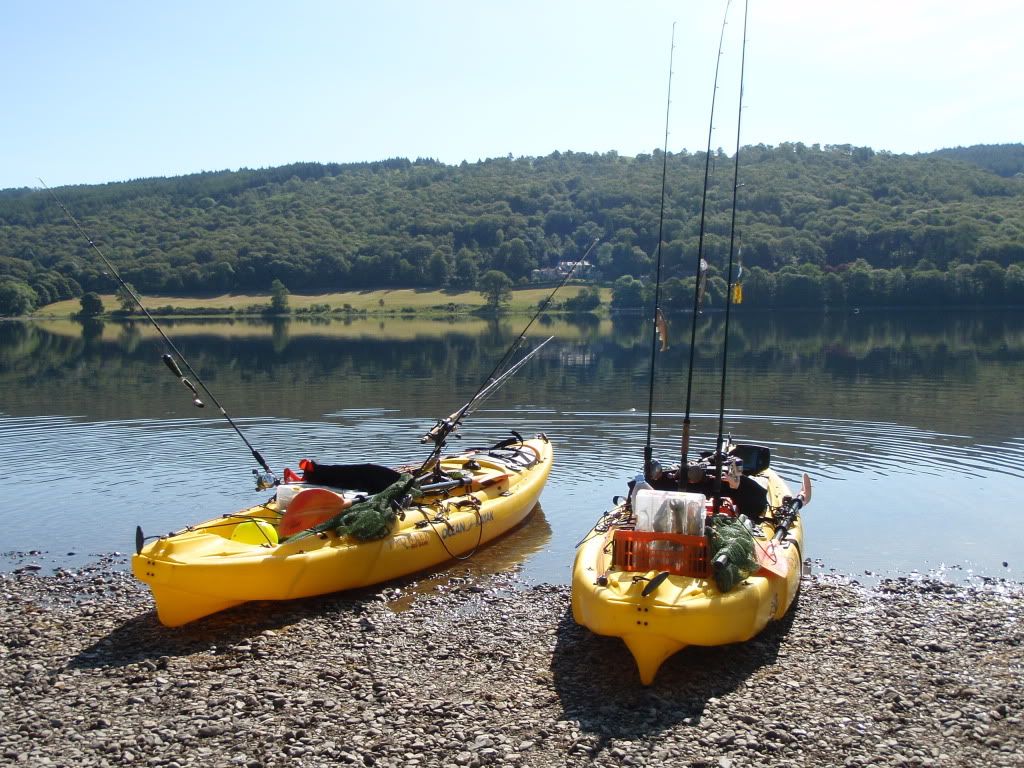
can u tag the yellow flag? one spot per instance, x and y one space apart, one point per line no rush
737 293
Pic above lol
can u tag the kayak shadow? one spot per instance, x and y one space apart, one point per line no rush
237 631
597 682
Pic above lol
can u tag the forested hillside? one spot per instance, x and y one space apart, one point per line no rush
1003 159
816 224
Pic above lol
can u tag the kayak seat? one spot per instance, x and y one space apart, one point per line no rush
370 478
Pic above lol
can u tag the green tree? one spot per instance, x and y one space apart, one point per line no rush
278 298
677 293
629 260
124 297
834 290
466 273
92 305
220 275
16 298
857 281
714 294
513 258
586 300
627 293
928 288
758 287
1014 284
889 286
496 287
438 271
799 290
990 279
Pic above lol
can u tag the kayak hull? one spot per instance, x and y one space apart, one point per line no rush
684 610
209 567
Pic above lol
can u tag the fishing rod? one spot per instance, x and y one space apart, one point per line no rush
728 289
791 506
444 428
659 319
267 480
478 399
701 264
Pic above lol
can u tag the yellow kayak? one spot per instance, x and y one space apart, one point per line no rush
473 498
658 592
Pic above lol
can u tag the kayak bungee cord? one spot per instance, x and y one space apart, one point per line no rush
701 267
658 317
440 432
267 480
441 518
728 289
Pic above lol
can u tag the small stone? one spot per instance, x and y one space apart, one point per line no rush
500 677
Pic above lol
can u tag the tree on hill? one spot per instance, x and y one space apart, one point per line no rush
125 299
627 293
278 298
92 305
496 287
466 273
586 300
16 298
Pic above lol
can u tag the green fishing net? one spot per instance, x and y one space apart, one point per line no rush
369 519
732 552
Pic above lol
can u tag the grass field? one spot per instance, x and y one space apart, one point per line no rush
373 302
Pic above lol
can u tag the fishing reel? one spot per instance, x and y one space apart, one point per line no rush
441 431
264 480
704 469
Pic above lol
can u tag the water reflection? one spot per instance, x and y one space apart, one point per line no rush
904 421
508 553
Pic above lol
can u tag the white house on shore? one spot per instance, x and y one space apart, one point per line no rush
584 271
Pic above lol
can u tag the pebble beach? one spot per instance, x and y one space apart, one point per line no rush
487 670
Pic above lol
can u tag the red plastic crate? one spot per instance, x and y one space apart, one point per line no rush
651 551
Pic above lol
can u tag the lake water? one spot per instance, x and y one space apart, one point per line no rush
909 424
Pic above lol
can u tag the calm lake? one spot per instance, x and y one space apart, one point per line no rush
909 424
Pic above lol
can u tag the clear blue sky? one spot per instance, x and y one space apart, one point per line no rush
106 91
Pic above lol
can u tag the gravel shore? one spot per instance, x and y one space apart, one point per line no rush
489 671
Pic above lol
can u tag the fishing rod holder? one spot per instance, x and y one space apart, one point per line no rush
441 431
